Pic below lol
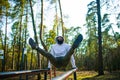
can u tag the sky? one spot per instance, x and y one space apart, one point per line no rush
75 10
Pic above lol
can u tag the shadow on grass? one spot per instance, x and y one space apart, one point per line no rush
106 76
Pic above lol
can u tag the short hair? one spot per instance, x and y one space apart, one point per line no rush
58 37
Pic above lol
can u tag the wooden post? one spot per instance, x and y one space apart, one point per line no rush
45 75
54 69
75 76
50 74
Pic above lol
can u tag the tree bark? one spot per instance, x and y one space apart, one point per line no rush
35 35
100 58
41 27
61 18
13 53
5 47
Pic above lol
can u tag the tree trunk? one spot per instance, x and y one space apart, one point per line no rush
41 27
5 47
20 46
55 27
35 35
100 58
1 38
33 22
42 31
61 18
12 67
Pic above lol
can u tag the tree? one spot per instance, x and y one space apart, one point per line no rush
91 41
14 36
41 27
93 12
61 18
5 8
100 58
35 34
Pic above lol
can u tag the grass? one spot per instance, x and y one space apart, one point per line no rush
91 75
81 75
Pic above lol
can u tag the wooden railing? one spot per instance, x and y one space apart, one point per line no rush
4 75
66 75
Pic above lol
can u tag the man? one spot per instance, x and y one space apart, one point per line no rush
59 61
60 49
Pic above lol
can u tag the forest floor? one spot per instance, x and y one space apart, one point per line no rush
81 75
92 75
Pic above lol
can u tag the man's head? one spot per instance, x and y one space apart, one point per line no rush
59 39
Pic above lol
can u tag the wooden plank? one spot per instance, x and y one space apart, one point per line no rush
65 75
4 75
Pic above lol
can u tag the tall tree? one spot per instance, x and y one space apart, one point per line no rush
1 39
61 17
41 26
6 7
14 36
91 24
33 22
35 35
100 58
20 33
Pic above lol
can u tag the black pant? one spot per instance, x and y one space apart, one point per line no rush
59 62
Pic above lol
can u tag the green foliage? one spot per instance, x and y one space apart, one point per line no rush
108 40
50 38
4 4
71 33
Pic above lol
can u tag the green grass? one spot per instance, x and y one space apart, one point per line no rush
81 75
91 75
